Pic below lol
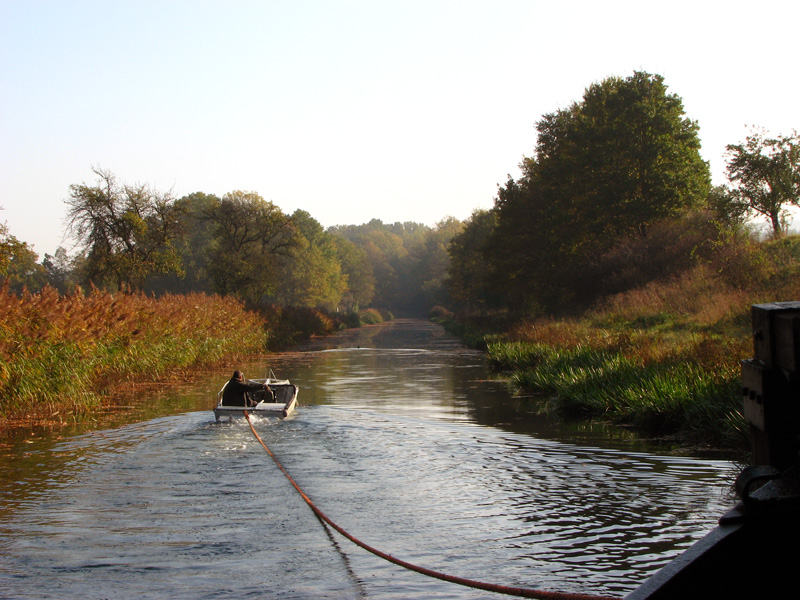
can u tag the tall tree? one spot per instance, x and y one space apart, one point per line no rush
360 278
385 250
406 262
468 271
623 158
312 275
24 272
433 260
192 246
250 236
125 231
18 267
765 174
8 245
60 270
726 207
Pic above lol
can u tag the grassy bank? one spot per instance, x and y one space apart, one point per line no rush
663 358
58 354
687 399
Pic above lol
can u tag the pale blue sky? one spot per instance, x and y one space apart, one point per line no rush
397 110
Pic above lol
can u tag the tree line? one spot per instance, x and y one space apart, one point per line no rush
134 238
615 195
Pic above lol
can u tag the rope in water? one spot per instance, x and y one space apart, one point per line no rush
490 587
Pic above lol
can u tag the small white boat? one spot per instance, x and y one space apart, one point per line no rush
279 400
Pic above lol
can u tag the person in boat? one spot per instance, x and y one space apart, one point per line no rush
239 391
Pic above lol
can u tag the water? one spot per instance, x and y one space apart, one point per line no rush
403 441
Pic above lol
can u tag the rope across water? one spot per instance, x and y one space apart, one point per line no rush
490 587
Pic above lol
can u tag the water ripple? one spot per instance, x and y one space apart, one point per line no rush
183 507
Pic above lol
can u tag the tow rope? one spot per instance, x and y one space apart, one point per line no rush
489 587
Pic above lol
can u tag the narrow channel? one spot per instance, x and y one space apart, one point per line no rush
402 437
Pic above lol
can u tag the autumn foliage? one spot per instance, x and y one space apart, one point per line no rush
59 352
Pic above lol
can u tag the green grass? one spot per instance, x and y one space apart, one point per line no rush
664 398
664 359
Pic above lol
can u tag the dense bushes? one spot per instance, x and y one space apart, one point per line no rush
287 325
371 316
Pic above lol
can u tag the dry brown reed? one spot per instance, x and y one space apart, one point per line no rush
60 352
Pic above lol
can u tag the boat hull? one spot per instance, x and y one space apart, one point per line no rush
284 404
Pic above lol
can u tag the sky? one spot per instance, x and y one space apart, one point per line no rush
351 110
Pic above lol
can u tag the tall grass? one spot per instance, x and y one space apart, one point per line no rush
659 397
663 358
58 353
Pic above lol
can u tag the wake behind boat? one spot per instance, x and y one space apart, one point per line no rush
262 397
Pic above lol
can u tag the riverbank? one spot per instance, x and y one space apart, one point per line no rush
62 357
667 374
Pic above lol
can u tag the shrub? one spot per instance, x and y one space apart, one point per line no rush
351 320
289 325
439 313
370 316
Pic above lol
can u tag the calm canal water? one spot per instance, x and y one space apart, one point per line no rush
401 438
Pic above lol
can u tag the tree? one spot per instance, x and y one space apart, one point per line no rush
360 278
726 208
24 272
624 157
610 166
250 235
468 272
8 245
192 245
432 261
401 266
18 267
765 173
312 275
59 270
385 251
126 232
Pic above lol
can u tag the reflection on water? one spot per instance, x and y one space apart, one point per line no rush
395 441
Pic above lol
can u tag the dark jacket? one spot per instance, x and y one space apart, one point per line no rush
237 392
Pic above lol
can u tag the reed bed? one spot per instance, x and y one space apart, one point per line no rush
664 358
60 354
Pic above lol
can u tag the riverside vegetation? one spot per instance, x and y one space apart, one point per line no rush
663 358
619 279
611 278
60 355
